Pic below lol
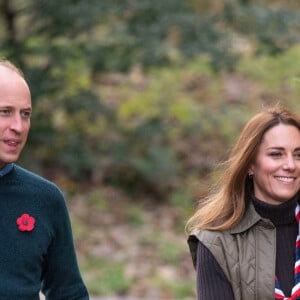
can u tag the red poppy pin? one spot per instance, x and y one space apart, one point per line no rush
26 222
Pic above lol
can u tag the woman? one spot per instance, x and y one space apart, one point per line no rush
243 236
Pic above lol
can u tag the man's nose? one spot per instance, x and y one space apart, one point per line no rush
17 123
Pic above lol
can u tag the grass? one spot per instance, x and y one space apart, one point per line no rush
132 249
104 277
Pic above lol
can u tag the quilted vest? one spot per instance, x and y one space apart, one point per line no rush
246 253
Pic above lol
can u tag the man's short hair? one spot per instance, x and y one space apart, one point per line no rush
8 64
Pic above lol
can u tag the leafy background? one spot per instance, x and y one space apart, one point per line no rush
134 105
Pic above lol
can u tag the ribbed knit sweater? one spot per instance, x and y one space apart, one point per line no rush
211 281
41 258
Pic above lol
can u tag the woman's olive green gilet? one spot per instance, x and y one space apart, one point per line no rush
246 254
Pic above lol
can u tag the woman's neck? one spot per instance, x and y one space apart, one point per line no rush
279 214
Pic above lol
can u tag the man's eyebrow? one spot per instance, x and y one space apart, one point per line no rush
10 107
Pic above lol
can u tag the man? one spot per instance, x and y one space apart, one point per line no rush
36 244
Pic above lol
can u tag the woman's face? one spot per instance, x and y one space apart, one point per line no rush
276 168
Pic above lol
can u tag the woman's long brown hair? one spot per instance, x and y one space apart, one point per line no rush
225 205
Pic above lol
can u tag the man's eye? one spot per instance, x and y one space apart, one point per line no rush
4 112
26 114
297 155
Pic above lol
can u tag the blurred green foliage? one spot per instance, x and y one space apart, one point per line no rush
144 98
139 94
104 277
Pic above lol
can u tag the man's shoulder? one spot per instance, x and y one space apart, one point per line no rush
35 180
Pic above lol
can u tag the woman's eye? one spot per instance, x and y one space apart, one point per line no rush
275 154
297 155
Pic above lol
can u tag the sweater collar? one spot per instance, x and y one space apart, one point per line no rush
6 169
279 214
269 214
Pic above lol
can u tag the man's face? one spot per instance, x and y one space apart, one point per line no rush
15 112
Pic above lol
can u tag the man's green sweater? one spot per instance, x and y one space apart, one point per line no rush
39 256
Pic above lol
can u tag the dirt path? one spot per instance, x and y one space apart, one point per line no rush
104 298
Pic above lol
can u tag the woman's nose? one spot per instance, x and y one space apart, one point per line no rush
290 163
